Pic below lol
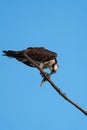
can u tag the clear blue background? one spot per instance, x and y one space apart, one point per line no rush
58 25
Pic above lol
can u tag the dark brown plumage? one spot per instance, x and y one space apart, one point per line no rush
38 54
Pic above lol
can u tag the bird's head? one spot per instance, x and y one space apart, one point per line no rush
54 67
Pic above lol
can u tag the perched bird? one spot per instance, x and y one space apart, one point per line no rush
43 57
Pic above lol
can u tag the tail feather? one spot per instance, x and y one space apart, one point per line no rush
10 53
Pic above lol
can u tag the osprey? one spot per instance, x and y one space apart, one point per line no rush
43 57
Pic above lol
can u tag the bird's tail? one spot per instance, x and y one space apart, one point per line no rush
11 53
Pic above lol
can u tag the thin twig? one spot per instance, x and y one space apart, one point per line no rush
55 87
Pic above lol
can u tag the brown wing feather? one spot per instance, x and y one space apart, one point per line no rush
37 54
40 54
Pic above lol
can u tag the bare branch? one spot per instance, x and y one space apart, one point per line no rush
55 87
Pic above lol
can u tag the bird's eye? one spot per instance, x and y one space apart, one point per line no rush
53 65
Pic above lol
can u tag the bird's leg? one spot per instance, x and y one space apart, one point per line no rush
48 76
44 73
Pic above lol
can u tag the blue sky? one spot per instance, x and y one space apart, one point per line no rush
60 26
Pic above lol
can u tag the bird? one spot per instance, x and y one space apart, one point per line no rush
44 58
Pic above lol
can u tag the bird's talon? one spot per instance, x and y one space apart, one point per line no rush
44 79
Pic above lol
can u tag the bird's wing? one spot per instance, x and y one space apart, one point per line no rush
40 54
